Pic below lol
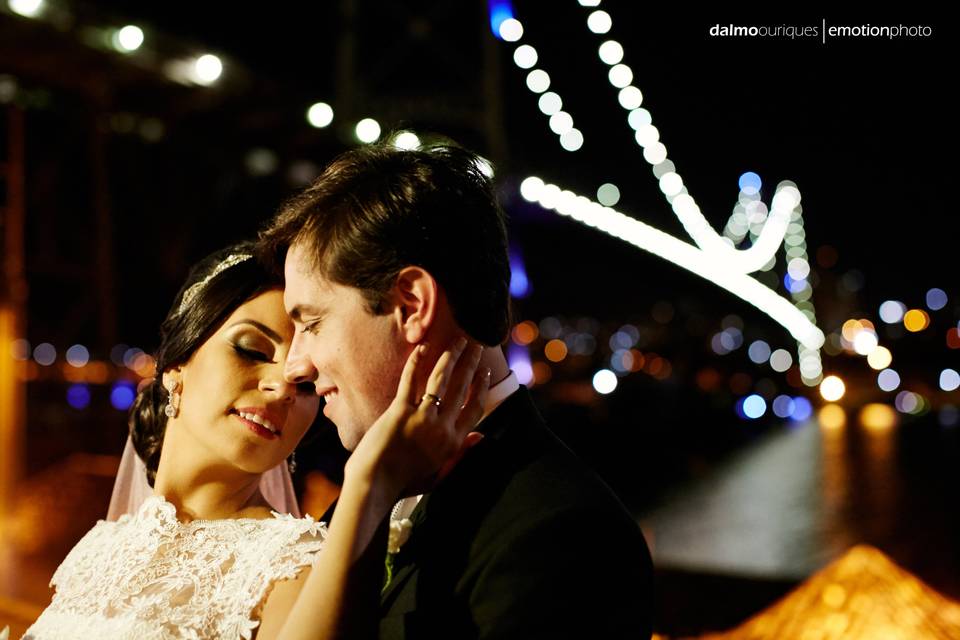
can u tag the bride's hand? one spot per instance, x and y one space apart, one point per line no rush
417 435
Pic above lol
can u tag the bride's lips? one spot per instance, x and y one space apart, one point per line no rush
259 421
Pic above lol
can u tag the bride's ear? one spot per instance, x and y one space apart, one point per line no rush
416 297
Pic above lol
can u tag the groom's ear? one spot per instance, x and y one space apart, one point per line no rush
415 297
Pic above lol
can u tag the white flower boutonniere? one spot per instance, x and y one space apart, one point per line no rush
399 534
5 633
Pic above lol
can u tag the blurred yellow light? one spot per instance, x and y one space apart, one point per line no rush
555 350
878 416
850 329
832 416
525 332
832 388
880 358
916 320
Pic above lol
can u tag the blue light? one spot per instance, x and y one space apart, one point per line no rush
122 395
78 396
802 409
793 286
519 283
783 406
499 10
936 299
518 358
750 183
754 406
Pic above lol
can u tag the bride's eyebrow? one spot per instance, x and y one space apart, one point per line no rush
270 333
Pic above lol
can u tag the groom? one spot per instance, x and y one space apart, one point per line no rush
390 248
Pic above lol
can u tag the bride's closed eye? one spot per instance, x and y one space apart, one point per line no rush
251 354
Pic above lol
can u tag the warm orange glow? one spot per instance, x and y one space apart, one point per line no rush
555 350
637 360
525 332
97 372
145 366
953 338
916 320
861 596
708 379
832 416
878 417
654 366
664 371
850 329
542 372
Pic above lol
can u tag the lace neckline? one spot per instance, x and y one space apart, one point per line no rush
158 503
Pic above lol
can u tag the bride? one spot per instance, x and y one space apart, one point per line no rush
204 553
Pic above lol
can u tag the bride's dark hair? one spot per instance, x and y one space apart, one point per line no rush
223 283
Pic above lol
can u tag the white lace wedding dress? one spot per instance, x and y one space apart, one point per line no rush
148 576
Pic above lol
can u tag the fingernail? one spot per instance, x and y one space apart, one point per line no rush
486 373
461 342
422 348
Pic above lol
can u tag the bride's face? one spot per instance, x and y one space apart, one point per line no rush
235 403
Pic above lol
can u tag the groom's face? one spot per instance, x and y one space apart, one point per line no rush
353 357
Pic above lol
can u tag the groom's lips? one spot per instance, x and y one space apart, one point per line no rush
328 394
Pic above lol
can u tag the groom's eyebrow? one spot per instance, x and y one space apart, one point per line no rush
301 310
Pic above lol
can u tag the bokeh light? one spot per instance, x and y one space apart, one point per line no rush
783 406
20 349
880 358
936 299
832 388
608 194
207 69
550 103
45 354
759 352
78 396
892 311
367 130
122 395
605 381
949 380
320 115
916 320
780 360
599 22
78 356
525 332
832 416
525 56
888 380
611 52
128 38
511 30
538 81
555 350
878 416
406 140
802 409
752 407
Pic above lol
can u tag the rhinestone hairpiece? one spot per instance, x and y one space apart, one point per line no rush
191 293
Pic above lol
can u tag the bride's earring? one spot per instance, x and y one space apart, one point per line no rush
292 462
173 401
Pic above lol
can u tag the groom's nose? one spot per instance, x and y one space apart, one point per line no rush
298 366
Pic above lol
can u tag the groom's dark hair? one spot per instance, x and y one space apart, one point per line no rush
377 209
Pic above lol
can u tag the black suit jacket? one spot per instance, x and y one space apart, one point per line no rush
522 540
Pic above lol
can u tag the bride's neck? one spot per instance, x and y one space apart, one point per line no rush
200 490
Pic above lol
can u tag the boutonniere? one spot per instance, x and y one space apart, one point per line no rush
5 633
399 534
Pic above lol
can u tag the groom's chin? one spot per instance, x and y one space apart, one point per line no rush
349 436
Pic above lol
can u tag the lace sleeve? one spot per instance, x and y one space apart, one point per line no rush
293 545
92 540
